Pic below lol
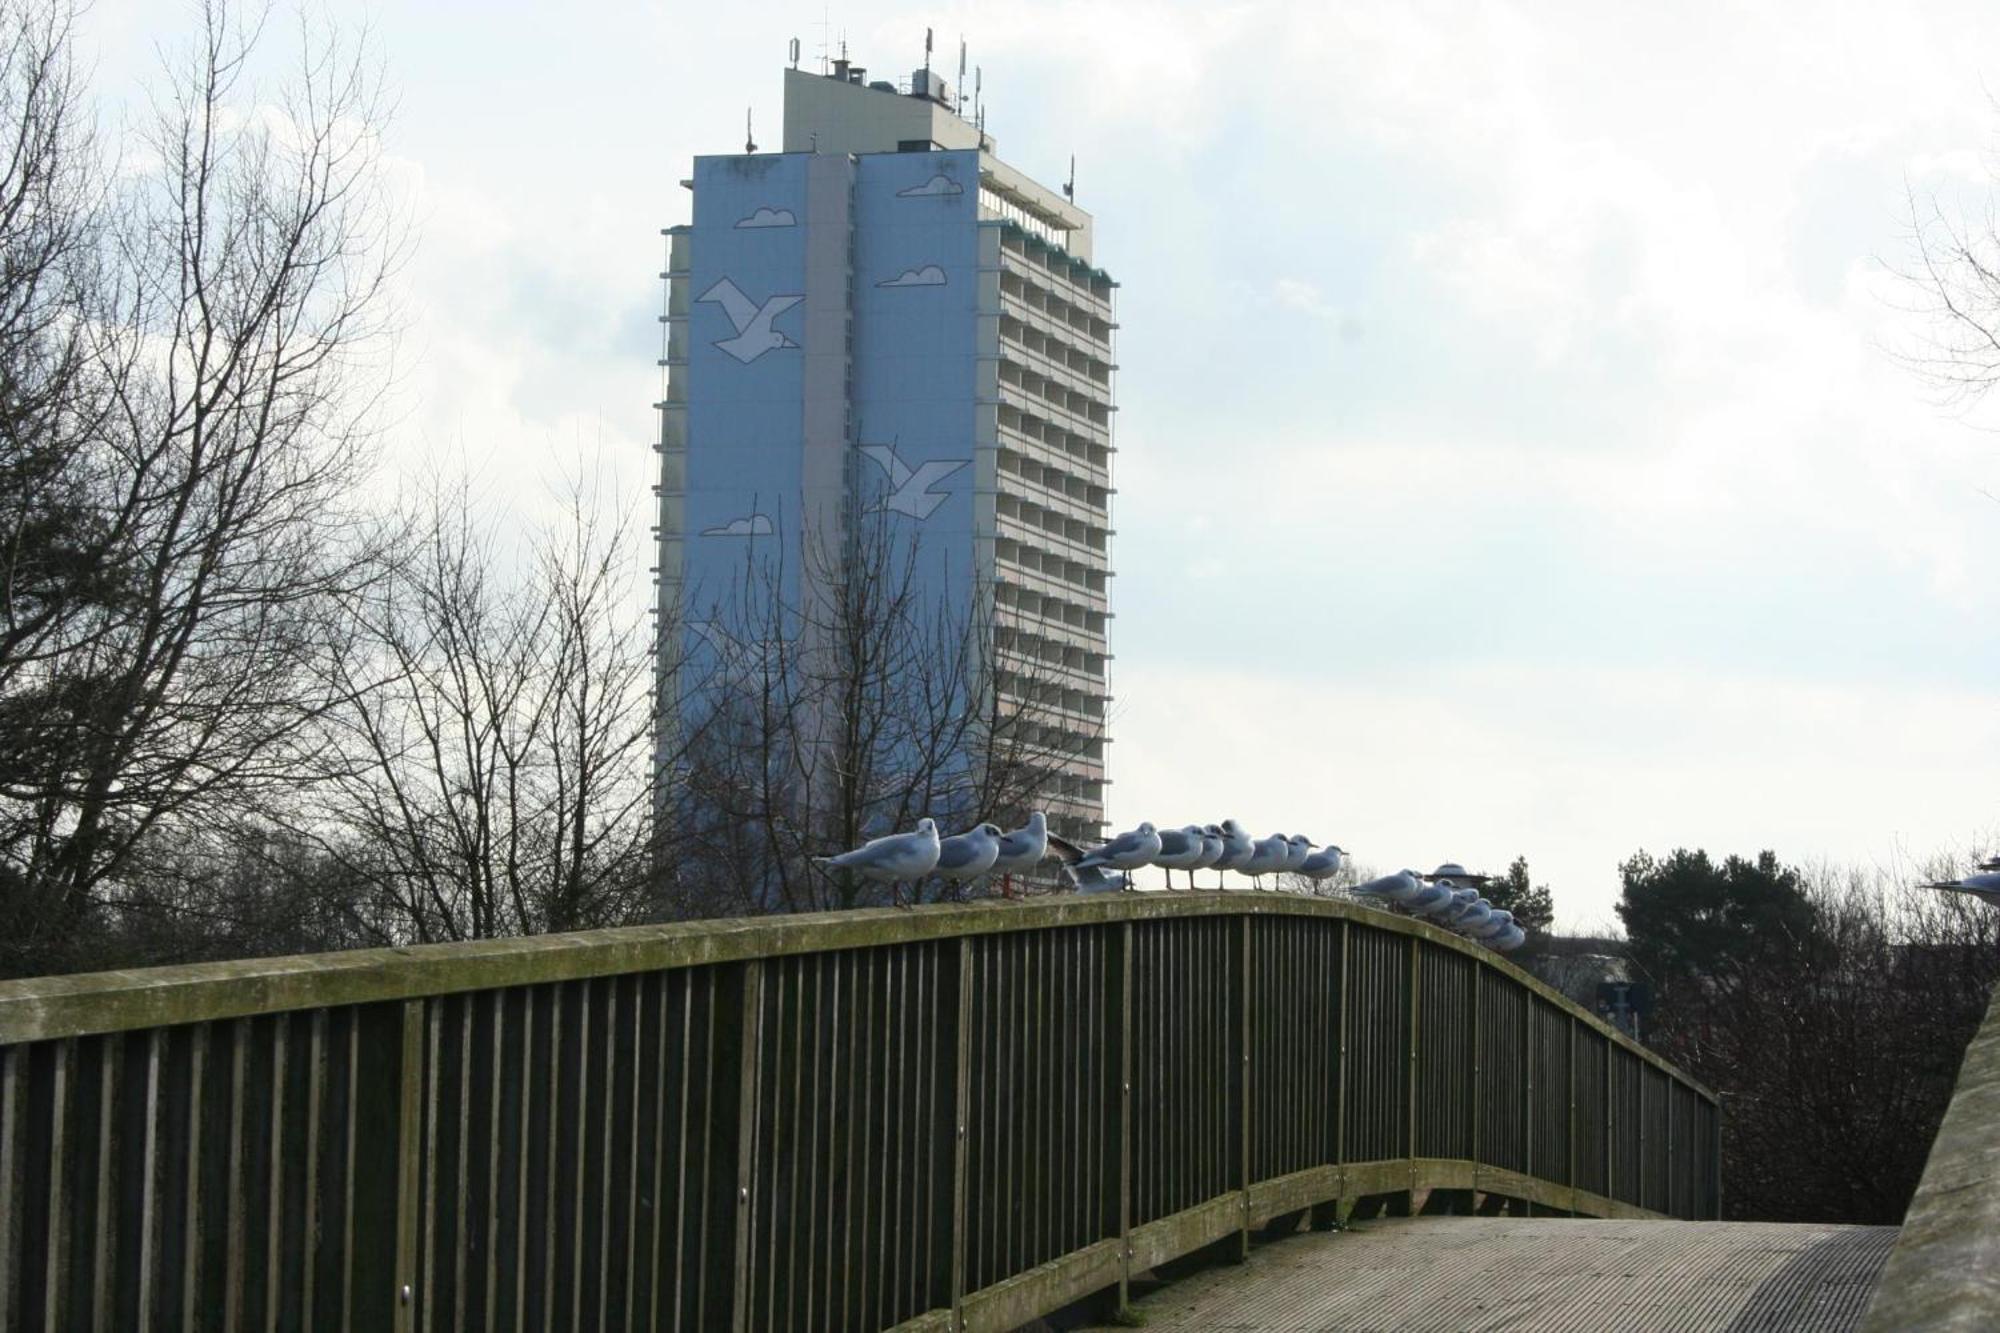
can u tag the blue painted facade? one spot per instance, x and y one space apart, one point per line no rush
898 305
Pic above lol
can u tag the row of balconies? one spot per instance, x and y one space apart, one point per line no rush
1047 311
1060 353
1028 603
1040 653
1051 438
1093 291
1054 486
1083 406
1088 538
1084 707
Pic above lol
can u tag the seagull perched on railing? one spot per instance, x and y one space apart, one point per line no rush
894 859
1237 846
1132 850
1985 884
1180 849
1267 857
1096 879
970 854
1322 864
1021 850
1401 888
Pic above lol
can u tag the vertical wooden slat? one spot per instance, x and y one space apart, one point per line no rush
750 1016
955 1119
409 1151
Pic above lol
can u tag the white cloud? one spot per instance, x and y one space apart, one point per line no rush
930 275
750 525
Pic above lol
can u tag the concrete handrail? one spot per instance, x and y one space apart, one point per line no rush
1944 1272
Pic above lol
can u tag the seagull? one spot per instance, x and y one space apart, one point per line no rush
1297 848
1237 845
910 487
1983 885
1474 918
754 334
1127 851
1022 850
1402 887
1267 857
893 859
1211 846
1096 879
970 854
1323 864
1509 939
1180 849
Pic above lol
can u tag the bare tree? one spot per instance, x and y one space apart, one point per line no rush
852 705
493 729
186 392
1835 1043
1954 274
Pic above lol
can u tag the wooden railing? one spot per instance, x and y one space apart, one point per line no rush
950 1116
1944 1272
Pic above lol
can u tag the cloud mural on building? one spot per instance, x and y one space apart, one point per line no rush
770 217
910 488
752 321
750 525
936 186
930 275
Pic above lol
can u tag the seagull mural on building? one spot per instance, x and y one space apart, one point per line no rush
910 488
754 333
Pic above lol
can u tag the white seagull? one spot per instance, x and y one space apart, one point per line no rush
1237 844
1985 884
1267 857
1508 940
1180 849
1297 848
970 854
1096 879
1401 887
1127 851
754 334
893 859
1022 850
1322 864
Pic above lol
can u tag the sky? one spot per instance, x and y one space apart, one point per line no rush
1516 456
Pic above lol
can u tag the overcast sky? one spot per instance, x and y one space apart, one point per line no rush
1512 459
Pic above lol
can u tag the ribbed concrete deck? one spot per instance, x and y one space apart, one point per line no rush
1549 1275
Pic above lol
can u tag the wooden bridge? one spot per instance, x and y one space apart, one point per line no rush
950 1117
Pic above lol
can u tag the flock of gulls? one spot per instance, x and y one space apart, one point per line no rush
1448 895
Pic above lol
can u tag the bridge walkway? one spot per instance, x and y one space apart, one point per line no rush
1548 1275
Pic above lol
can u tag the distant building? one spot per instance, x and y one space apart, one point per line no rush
886 317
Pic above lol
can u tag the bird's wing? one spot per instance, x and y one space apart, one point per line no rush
1064 849
734 303
771 309
884 457
955 852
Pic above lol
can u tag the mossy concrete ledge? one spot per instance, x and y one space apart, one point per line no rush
42 1008
1944 1273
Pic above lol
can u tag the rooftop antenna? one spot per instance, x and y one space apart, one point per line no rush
825 37
749 135
927 58
795 53
1069 186
958 89
978 106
